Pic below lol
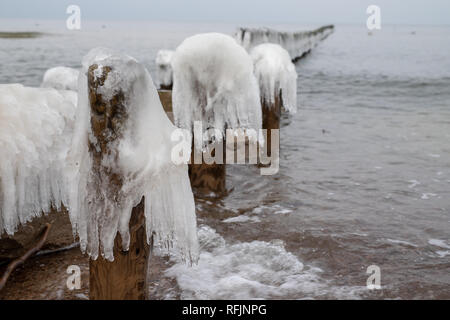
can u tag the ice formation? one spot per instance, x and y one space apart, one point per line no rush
275 71
296 43
163 63
140 155
214 83
36 126
61 78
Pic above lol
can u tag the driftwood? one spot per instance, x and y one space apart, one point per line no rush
41 237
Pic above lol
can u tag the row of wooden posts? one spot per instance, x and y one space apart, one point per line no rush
126 276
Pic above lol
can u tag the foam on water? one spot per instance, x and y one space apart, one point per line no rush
250 270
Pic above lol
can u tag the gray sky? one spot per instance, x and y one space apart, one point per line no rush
250 11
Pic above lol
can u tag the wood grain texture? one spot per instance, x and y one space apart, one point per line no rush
271 112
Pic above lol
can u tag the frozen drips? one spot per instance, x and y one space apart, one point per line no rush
36 126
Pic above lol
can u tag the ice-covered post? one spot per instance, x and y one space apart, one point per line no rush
125 277
277 80
126 192
298 44
214 89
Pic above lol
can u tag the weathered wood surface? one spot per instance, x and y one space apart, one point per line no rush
60 235
125 277
208 178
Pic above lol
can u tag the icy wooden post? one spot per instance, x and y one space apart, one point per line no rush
125 277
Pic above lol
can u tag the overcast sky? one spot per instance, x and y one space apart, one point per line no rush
251 11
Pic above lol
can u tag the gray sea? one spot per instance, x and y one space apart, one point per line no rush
365 165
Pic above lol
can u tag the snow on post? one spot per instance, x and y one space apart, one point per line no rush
213 84
163 63
276 75
36 127
121 159
61 78
298 44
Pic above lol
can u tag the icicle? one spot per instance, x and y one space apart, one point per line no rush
214 83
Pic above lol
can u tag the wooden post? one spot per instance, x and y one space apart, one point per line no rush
205 178
125 277
271 113
166 87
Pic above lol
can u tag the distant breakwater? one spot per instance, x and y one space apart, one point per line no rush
298 44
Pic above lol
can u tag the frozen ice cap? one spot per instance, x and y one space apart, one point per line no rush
61 78
275 71
138 150
164 64
213 82
36 127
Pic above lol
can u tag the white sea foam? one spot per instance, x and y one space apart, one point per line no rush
241 218
296 43
402 242
427 196
442 253
413 184
439 243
